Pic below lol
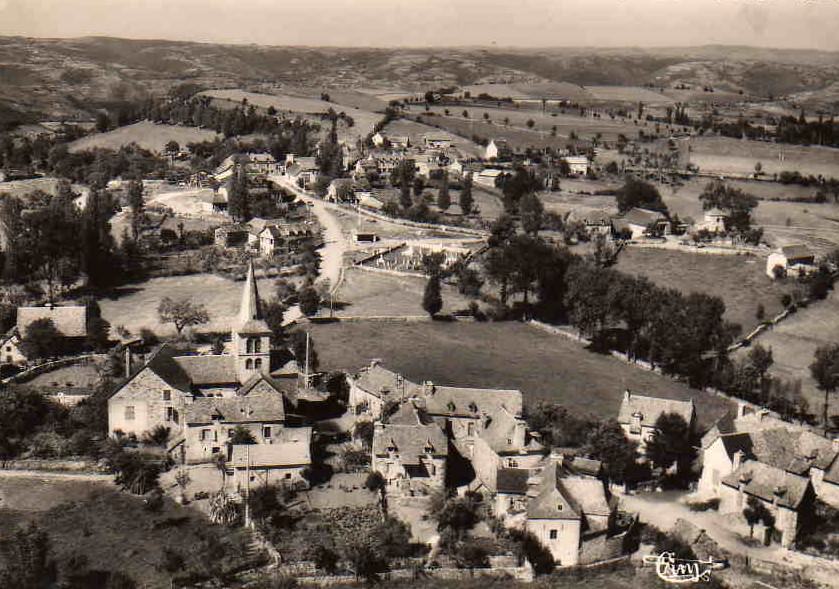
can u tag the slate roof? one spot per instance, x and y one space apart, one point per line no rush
512 481
70 320
208 370
250 320
734 443
467 402
582 466
235 410
384 383
162 363
292 449
792 450
642 217
501 429
409 441
651 407
254 380
768 482
797 252
568 497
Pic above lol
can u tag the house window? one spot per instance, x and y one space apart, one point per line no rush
257 345
470 429
129 413
249 364
512 463
559 506
257 363
171 415
8 348
288 475
205 434
266 432
167 395
230 432
552 535
249 346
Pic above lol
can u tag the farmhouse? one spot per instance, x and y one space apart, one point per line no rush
233 235
790 260
489 177
578 165
283 238
713 221
437 141
374 385
410 452
641 223
597 221
303 171
69 320
638 414
341 190
788 497
498 149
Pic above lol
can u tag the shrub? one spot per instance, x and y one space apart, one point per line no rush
710 504
374 481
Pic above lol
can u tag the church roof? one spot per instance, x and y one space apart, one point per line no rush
250 319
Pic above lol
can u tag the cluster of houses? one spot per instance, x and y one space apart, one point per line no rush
422 429
268 237
205 399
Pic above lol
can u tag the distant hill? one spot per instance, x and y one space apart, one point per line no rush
71 78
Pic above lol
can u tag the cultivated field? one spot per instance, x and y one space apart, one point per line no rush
505 355
740 281
631 94
724 155
146 134
368 293
794 342
135 306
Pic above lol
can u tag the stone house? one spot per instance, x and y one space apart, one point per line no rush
281 461
69 320
788 497
410 452
713 221
373 386
578 164
791 260
565 509
283 238
640 223
10 351
638 414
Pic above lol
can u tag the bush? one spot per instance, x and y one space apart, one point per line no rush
710 504
374 481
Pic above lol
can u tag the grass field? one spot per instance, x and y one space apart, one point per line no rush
632 94
148 135
370 293
78 375
740 281
725 155
135 306
502 355
416 131
794 342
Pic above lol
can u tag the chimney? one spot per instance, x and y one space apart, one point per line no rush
742 409
127 362
737 459
626 394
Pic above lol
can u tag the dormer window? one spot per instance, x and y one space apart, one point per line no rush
635 423
450 406
473 407
429 449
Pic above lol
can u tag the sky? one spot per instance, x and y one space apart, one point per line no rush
806 24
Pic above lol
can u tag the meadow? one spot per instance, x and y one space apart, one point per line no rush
724 155
146 134
500 355
417 131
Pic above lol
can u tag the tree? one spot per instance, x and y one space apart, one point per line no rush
403 175
670 443
103 122
825 371
238 195
638 193
309 300
24 559
755 512
41 340
432 299
98 334
172 147
157 436
444 200
298 348
515 187
531 211
467 201
242 435
458 515
274 311
530 123
182 313
363 431
135 203
735 202
607 443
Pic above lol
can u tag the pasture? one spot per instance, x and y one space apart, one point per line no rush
500 355
146 134
740 281
365 293
135 306
632 94
724 155
794 342
417 131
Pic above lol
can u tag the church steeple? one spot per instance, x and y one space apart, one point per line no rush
251 335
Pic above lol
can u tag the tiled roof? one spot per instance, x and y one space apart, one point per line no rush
568 497
797 252
293 448
235 410
769 483
409 441
208 370
642 217
71 321
467 402
651 408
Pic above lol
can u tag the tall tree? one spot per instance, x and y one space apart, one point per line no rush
432 298
97 241
825 371
238 197
444 200
531 211
670 443
638 193
135 203
467 201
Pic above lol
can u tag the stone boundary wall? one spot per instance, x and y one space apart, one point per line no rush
40 369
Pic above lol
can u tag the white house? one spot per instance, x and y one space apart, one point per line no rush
713 221
791 260
578 164
641 222
488 177
497 149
